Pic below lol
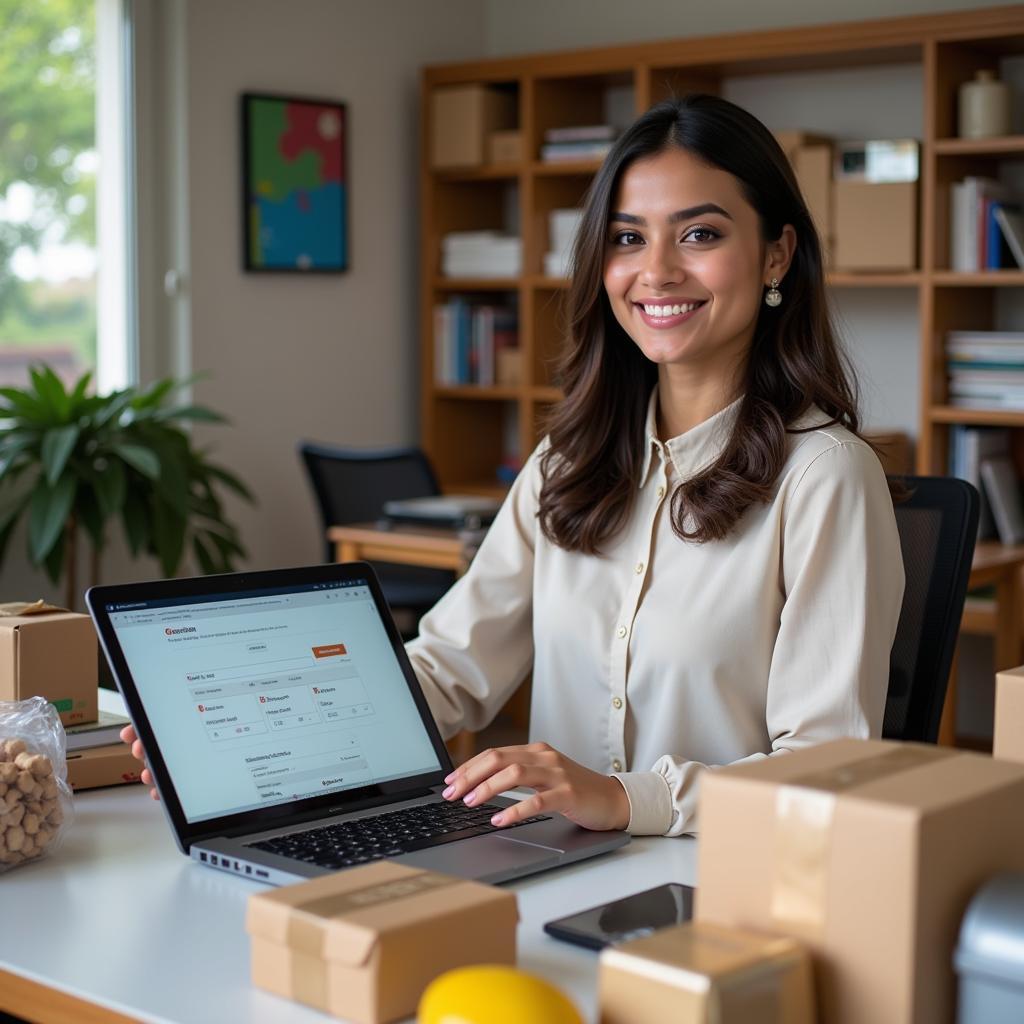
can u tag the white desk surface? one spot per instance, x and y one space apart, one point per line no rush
120 918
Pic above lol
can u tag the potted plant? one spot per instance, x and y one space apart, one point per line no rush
73 463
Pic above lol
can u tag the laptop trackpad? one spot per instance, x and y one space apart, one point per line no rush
482 857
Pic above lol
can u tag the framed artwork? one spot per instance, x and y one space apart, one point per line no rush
294 185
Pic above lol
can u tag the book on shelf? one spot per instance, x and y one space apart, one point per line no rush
106 729
969 447
1011 222
582 133
481 254
1002 489
971 222
986 369
467 340
555 152
563 226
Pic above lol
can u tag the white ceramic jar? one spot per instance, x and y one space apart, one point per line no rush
984 107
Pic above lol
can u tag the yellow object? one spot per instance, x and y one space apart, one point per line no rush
494 995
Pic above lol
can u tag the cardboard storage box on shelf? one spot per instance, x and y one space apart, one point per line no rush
109 765
364 943
1008 735
811 159
875 226
505 147
50 653
867 851
462 120
700 973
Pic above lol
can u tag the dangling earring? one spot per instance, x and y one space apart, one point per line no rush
773 297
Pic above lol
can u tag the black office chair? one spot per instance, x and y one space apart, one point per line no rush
938 526
351 486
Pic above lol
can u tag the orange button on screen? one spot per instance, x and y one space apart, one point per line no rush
329 651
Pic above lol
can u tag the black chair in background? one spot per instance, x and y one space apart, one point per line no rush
938 527
352 485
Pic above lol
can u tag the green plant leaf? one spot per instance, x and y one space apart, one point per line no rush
139 458
48 515
58 444
77 396
21 403
13 501
168 536
111 487
51 391
91 517
135 517
155 395
207 561
229 480
190 412
54 561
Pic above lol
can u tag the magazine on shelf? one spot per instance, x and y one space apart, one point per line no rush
1002 489
1011 223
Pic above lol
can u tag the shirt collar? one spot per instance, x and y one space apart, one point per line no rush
693 450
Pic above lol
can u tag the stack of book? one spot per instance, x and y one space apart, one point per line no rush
986 226
583 142
96 756
981 455
563 226
470 340
481 254
986 369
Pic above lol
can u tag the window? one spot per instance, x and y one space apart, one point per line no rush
63 194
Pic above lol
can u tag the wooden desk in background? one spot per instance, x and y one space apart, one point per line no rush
995 565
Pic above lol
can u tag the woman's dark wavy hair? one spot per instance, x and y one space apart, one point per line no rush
591 469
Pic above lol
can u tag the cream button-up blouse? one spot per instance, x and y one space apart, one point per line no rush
661 658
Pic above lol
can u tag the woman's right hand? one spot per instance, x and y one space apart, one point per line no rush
129 737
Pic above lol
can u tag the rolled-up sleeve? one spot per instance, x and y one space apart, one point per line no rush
842 576
475 646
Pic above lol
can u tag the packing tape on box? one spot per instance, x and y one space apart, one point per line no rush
309 976
804 810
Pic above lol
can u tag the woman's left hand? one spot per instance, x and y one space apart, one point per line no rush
590 799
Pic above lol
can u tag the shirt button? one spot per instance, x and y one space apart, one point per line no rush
620 632
616 703
639 568
661 492
616 766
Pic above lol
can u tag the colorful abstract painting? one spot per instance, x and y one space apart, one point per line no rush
296 201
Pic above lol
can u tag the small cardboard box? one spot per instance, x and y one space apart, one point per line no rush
700 973
505 147
875 225
109 765
462 120
363 944
810 156
868 852
55 655
1008 735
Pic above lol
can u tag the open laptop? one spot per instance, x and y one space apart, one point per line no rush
288 735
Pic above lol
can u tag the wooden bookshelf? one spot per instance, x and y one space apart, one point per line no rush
468 430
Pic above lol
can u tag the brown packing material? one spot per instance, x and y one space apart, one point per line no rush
868 852
50 653
700 973
109 765
810 156
875 226
462 119
363 944
505 147
1008 736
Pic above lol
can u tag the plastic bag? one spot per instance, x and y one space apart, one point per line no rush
35 799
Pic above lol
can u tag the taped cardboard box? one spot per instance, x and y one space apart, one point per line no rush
1008 734
868 852
51 653
699 973
363 944
109 765
462 120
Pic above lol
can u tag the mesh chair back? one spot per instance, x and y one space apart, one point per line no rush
352 486
938 526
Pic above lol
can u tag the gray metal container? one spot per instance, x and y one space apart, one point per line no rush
989 957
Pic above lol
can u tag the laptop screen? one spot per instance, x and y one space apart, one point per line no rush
262 698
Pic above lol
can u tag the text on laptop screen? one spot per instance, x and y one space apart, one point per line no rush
262 699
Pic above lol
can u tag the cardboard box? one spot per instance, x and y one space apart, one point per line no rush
505 147
700 973
868 852
811 157
1008 735
508 367
875 226
109 765
51 654
363 944
462 119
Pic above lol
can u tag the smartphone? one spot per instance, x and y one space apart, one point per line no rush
628 918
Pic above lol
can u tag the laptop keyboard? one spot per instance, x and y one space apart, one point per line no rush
387 835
